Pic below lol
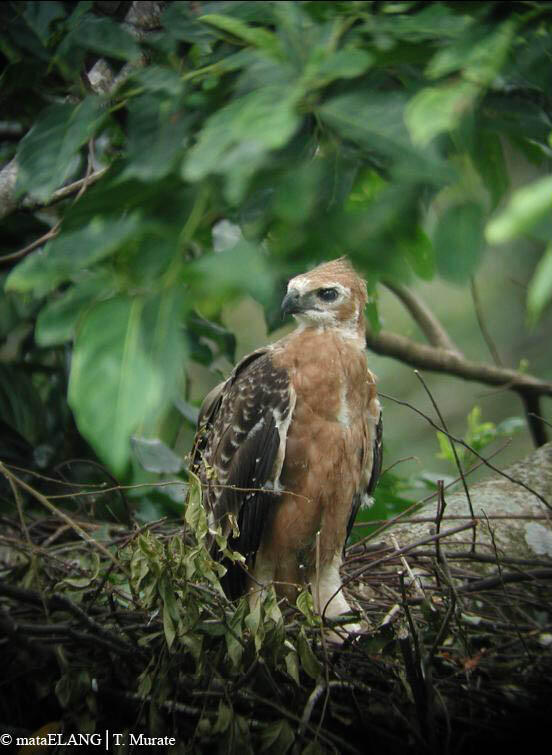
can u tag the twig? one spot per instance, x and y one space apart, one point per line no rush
312 699
404 549
453 447
499 567
482 325
51 234
62 515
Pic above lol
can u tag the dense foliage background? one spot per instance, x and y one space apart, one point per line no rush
168 165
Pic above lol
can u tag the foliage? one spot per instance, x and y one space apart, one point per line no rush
478 436
381 130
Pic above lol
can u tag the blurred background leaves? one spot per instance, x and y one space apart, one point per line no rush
244 142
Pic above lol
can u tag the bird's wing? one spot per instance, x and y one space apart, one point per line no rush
373 472
239 451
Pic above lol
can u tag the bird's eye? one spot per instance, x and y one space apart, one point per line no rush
327 294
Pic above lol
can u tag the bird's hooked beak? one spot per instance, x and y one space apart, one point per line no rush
291 303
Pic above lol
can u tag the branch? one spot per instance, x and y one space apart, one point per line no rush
430 325
439 360
444 356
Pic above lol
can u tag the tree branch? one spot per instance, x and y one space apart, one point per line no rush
439 360
430 325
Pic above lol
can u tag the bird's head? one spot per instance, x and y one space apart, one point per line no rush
331 295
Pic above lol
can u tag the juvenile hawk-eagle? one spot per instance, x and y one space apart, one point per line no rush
290 443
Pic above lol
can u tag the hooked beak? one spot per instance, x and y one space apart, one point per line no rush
291 303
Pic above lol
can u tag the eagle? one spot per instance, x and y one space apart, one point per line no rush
290 445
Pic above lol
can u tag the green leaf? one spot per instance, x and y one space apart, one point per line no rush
305 604
253 35
58 320
309 661
159 79
373 120
39 16
419 253
540 287
45 154
168 626
157 129
277 737
71 252
480 53
489 160
101 35
526 207
347 63
292 666
154 456
219 277
436 109
237 138
195 515
458 241
114 384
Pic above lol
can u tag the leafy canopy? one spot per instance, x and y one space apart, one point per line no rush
314 129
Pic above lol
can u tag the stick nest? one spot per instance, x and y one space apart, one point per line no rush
125 628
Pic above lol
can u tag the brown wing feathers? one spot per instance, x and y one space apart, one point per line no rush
240 443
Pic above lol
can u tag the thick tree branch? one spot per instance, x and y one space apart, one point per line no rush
425 357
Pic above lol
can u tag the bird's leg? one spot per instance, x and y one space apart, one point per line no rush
328 596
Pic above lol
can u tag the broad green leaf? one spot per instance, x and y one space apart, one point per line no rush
159 79
373 120
488 157
162 336
101 35
157 129
420 254
219 277
114 385
527 206
155 456
237 138
434 20
253 35
436 109
540 287
70 253
347 63
46 152
458 241
480 53
277 737
298 191
58 320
